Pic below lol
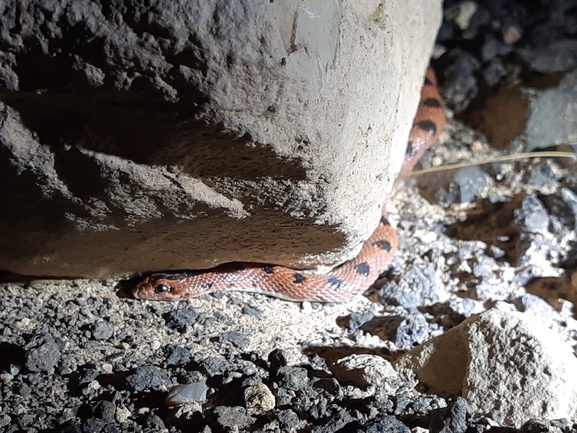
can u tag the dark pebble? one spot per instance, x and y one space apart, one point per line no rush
249 311
214 366
329 384
70 427
536 426
237 339
277 359
148 378
563 209
87 376
179 319
42 354
416 287
460 81
187 377
387 424
356 320
155 423
293 378
173 354
93 425
105 410
451 419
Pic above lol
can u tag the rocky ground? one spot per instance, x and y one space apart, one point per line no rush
82 356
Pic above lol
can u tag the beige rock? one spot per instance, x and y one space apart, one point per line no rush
500 361
366 370
258 399
248 130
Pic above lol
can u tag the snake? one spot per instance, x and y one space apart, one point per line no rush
343 282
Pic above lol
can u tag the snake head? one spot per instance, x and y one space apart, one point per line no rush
158 288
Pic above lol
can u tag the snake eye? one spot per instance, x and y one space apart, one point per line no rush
162 288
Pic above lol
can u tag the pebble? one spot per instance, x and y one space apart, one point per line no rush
258 399
174 354
236 338
42 354
102 330
180 319
148 378
233 417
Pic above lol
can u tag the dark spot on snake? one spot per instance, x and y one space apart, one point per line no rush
432 103
383 245
427 125
267 269
385 221
410 152
428 82
299 278
335 282
162 288
207 286
363 269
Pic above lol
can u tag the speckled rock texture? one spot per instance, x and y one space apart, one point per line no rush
183 134
497 354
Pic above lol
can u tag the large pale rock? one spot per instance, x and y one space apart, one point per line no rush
502 361
191 133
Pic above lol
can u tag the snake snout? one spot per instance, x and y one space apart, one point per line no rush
142 289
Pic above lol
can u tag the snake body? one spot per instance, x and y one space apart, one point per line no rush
339 285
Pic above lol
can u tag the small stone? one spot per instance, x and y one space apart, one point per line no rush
452 418
215 366
288 420
107 368
533 215
292 378
235 338
249 311
329 384
105 410
386 424
122 413
258 399
148 378
174 354
102 330
471 181
230 417
364 370
180 319
42 354
356 320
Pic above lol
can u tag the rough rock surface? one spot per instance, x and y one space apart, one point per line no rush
180 135
502 235
496 354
